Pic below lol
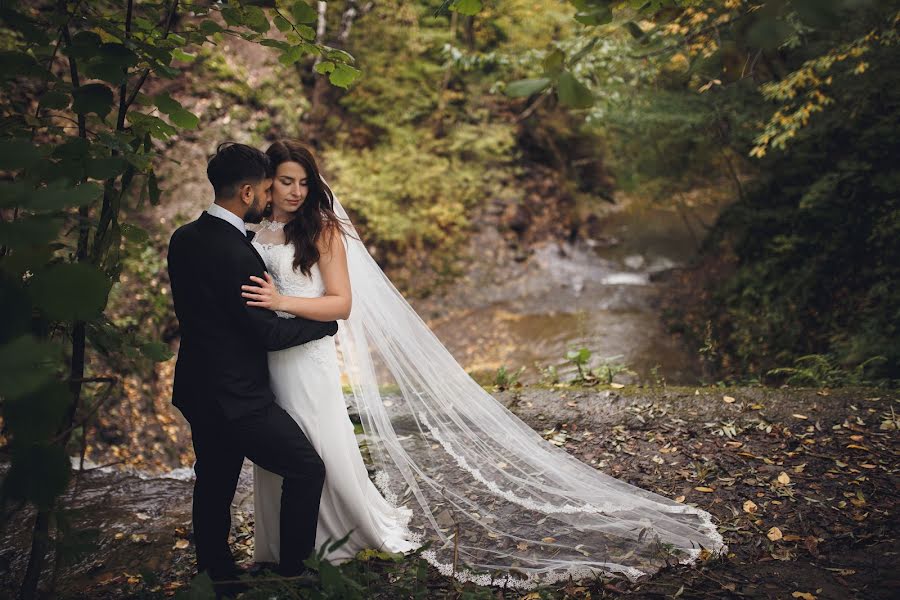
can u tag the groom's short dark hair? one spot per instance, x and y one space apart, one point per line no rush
235 164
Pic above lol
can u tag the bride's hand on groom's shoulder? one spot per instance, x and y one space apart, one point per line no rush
263 294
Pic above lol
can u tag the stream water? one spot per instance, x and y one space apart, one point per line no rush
597 294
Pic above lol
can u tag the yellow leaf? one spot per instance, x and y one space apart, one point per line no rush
796 416
704 489
750 506
181 544
784 478
616 386
774 534
803 596
857 447
548 540
728 399
679 499
756 407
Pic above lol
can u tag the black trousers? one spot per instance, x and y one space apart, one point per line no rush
272 439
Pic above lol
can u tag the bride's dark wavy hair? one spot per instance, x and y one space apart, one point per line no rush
316 214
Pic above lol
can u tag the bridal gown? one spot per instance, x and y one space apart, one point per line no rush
306 382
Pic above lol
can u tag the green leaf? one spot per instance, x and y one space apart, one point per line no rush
282 24
19 64
526 87
256 19
292 55
134 234
32 31
634 29
573 93
326 66
55 100
303 12
156 351
92 98
210 27
153 185
26 364
183 56
70 291
343 75
39 473
232 16
166 103
595 15
270 43
110 62
553 63
58 195
15 308
185 119
306 32
36 416
35 230
155 126
106 168
17 154
466 7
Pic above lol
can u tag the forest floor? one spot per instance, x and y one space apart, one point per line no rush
802 484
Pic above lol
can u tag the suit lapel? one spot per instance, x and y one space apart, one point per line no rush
230 231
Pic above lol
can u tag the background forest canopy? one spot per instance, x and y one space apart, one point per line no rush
794 101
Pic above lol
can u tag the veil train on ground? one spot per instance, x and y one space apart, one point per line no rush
500 505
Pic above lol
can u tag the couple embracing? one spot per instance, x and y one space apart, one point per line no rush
254 384
258 377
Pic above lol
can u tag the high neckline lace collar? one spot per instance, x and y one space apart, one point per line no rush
271 225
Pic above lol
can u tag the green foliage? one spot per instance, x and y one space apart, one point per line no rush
505 379
813 281
819 370
602 374
411 195
77 151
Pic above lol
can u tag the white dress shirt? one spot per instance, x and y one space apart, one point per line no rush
225 214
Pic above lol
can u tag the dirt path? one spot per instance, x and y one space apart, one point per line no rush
802 483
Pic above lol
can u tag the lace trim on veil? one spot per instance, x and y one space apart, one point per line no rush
458 474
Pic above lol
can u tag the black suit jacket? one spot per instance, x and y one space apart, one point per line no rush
222 358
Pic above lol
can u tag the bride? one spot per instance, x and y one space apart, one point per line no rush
496 503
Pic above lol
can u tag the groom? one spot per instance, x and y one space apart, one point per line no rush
222 377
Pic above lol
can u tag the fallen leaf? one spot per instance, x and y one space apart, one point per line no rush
796 416
616 386
803 596
704 489
774 534
783 478
750 506
181 544
728 399
756 407
548 540
679 499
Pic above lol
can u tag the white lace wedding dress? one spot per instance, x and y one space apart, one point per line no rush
497 503
306 383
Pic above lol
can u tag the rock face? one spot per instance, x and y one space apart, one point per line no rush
756 458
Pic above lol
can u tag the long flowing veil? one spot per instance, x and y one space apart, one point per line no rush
499 504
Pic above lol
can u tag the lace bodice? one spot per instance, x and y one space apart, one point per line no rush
279 259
